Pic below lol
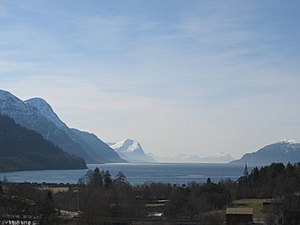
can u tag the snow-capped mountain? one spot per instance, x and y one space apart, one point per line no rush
46 110
284 151
36 114
132 151
128 146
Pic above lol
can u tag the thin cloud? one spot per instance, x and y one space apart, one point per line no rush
196 76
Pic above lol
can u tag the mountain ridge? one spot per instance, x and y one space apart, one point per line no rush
284 151
187 158
36 114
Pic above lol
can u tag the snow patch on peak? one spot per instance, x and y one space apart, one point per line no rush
10 104
46 110
5 95
289 141
127 145
40 104
131 151
4 92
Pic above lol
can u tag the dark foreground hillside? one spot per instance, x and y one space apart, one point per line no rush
23 149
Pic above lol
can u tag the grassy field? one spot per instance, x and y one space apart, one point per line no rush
256 204
155 204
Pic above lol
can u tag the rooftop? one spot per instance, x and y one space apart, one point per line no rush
240 211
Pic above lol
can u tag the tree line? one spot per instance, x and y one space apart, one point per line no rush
274 181
98 198
102 197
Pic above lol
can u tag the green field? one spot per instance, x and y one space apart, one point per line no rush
155 204
256 204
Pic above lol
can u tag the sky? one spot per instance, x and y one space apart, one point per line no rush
179 76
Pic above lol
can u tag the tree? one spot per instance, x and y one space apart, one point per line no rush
107 179
97 179
87 178
46 209
1 189
120 178
208 181
95 207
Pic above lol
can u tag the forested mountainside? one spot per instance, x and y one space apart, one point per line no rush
23 149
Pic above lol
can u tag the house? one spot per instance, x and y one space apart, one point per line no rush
239 216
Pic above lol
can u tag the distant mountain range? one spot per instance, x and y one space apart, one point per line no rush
23 149
132 151
284 151
187 158
36 114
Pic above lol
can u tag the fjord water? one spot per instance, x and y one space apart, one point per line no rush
174 173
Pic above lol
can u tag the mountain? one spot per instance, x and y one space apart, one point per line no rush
132 151
217 158
187 158
100 149
23 149
284 151
36 114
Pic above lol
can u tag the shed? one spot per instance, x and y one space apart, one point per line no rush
237 216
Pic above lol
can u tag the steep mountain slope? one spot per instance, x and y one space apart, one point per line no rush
29 117
96 149
99 148
36 114
23 149
132 151
46 110
284 151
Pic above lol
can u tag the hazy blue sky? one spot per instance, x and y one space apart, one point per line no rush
179 76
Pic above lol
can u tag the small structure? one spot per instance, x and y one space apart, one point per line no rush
272 212
282 212
239 216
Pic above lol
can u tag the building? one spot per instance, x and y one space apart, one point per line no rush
239 216
272 212
246 173
282 212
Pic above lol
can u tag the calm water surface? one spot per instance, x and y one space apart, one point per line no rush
174 173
